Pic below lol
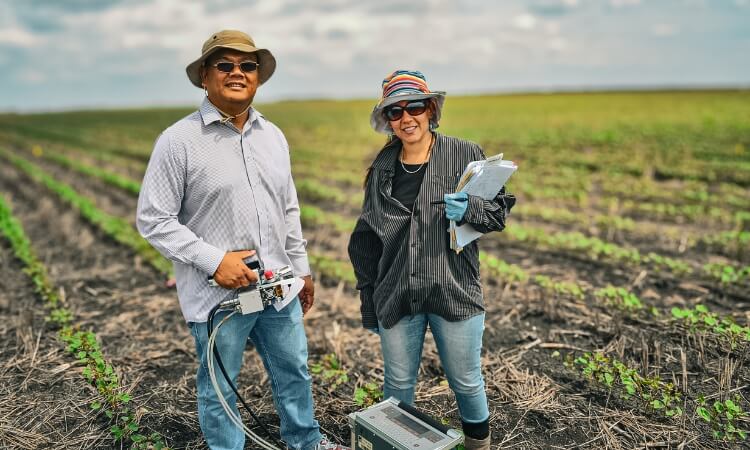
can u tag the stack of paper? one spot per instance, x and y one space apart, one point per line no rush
482 179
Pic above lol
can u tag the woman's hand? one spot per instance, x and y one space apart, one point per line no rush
455 205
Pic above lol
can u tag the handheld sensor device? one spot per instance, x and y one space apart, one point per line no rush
267 291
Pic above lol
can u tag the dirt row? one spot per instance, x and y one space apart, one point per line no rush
43 397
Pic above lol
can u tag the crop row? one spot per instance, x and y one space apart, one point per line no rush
723 417
83 345
733 243
572 242
576 243
115 227
699 320
644 196
728 242
593 247
541 183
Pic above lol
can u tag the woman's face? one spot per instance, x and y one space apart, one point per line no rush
411 129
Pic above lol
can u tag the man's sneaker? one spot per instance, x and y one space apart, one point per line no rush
325 444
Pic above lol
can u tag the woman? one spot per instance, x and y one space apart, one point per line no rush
407 274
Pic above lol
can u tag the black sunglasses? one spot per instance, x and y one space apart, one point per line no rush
414 108
228 67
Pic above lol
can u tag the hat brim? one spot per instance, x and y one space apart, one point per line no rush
266 62
380 124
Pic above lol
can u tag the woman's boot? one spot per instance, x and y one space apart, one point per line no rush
477 444
476 435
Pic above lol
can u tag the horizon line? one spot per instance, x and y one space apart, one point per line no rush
549 90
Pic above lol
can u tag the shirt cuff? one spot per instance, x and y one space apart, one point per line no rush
209 258
474 211
300 266
367 309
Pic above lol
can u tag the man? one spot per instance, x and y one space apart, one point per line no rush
218 189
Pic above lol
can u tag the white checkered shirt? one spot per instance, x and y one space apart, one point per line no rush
209 189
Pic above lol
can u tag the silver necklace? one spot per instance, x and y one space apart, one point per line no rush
429 152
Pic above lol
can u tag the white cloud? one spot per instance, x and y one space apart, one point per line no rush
525 21
18 37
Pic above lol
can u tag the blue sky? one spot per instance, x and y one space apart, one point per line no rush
63 54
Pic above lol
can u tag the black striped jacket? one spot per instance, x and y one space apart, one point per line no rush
402 259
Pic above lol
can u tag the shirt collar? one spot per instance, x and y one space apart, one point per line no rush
210 114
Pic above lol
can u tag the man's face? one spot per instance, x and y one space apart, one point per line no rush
235 87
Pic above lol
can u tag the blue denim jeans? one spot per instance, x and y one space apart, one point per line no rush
279 337
459 345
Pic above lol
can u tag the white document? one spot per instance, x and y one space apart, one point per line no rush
290 292
482 179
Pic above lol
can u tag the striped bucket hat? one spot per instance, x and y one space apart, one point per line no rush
404 85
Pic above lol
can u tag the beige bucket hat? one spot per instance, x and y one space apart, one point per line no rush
235 40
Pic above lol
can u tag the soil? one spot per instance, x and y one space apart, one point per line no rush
535 400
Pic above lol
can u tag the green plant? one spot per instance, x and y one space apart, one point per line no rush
329 369
723 417
563 288
332 268
620 298
727 274
13 232
367 395
655 393
498 268
700 319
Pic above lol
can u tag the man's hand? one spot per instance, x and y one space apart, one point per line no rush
307 294
233 273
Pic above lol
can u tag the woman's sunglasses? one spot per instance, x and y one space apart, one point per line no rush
414 108
228 67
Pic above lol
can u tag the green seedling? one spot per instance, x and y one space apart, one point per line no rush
329 369
367 395
723 418
700 320
656 394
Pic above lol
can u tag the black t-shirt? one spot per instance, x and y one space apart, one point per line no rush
406 185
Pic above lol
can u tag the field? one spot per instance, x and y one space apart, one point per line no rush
618 297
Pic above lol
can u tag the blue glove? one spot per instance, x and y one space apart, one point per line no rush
455 205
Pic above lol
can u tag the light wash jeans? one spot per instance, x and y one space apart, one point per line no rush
282 344
459 345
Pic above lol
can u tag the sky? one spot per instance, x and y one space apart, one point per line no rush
68 54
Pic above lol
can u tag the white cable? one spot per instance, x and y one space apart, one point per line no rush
234 418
